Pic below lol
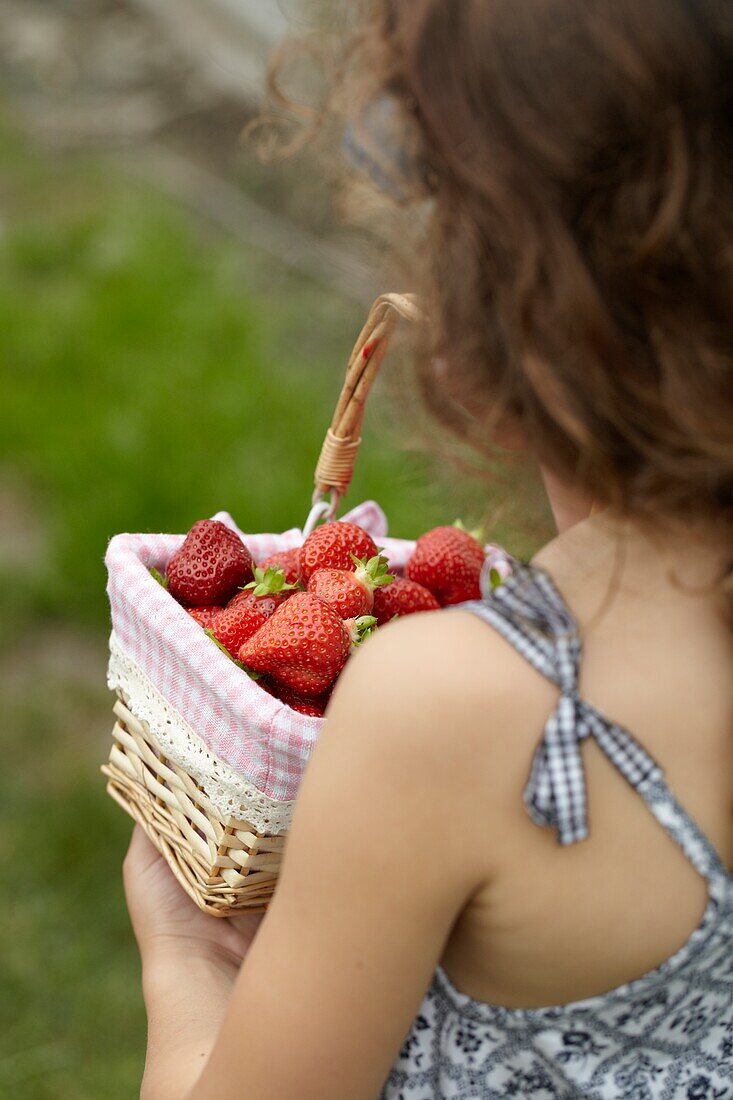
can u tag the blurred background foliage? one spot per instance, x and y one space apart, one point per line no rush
174 321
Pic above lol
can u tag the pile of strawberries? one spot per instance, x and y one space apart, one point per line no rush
292 620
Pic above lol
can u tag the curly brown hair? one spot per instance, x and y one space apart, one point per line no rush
577 156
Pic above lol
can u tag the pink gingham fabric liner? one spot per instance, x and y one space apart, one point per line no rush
264 740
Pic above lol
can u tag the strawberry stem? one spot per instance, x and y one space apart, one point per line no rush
477 533
373 571
360 629
268 582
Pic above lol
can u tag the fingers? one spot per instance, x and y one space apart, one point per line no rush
246 925
141 854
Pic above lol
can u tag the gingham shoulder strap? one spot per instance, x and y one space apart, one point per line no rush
529 612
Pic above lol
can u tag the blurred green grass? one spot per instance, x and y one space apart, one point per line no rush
152 373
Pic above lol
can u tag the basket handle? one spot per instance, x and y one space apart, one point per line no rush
340 447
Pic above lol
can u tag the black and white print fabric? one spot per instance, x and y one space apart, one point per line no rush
665 1036
530 613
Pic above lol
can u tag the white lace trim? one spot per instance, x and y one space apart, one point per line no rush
231 795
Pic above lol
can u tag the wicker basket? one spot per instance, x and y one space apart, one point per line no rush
223 863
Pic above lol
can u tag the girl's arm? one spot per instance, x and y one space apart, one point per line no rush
373 879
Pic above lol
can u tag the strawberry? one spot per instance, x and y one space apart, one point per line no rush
287 560
314 707
447 561
250 608
334 546
351 594
241 619
212 562
302 703
204 616
305 706
304 645
402 597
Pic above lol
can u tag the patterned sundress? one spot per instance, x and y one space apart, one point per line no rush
663 1036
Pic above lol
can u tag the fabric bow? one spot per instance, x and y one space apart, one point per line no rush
530 613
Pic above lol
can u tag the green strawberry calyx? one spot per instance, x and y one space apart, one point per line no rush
476 533
360 629
268 582
495 578
158 576
250 672
372 572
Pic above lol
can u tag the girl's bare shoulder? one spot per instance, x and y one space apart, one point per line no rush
445 664
452 707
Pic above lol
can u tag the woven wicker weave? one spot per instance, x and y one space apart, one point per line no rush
223 863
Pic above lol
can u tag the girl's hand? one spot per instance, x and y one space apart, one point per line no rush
190 965
166 921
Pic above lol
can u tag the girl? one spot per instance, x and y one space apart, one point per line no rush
529 893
